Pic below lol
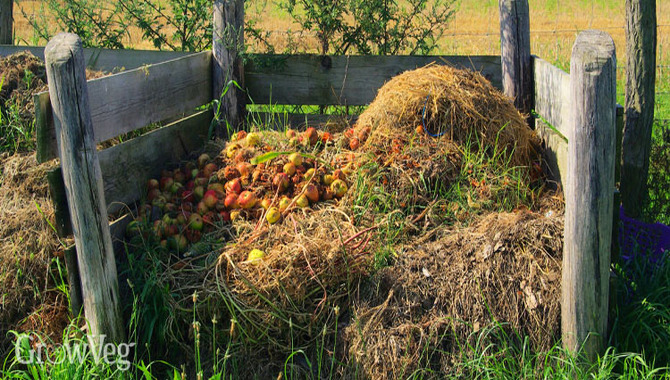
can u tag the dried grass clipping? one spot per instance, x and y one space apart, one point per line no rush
507 267
459 104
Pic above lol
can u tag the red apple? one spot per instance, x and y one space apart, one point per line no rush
247 199
280 181
231 201
166 182
210 199
203 159
202 208
326 137
312 193
152 184
179 176
311 135
234 186
244 168
291 133
209 169
224 216
239 135
266 203
153 194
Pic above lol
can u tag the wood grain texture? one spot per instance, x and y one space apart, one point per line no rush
589 194
59 198
517 76
553 104
126 167
124 102
641 40
107 60
84 188
6 22
74 281
228 42
341 80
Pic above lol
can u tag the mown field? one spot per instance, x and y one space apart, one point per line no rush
638 346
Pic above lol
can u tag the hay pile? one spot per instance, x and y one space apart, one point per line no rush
505 268
27 247
459 104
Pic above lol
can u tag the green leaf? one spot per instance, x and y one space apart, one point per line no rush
267 157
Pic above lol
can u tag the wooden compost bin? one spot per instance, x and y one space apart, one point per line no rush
173 91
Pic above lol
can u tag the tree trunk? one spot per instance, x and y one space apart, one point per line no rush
515 53
639 104
6 22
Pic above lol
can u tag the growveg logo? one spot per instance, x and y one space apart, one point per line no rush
30 350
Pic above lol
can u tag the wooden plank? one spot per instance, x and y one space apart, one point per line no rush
126 167
552 94
107 60
59 199
341 80
124 102
552 104
554 154
45 134
74 281
84 188
589 195
515 53
228 42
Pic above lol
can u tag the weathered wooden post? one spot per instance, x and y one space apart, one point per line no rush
228 35
6 22
639 104
589 193
66 76
517 73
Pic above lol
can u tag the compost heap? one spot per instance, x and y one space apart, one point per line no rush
280 286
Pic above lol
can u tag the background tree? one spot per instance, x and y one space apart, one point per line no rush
639 105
